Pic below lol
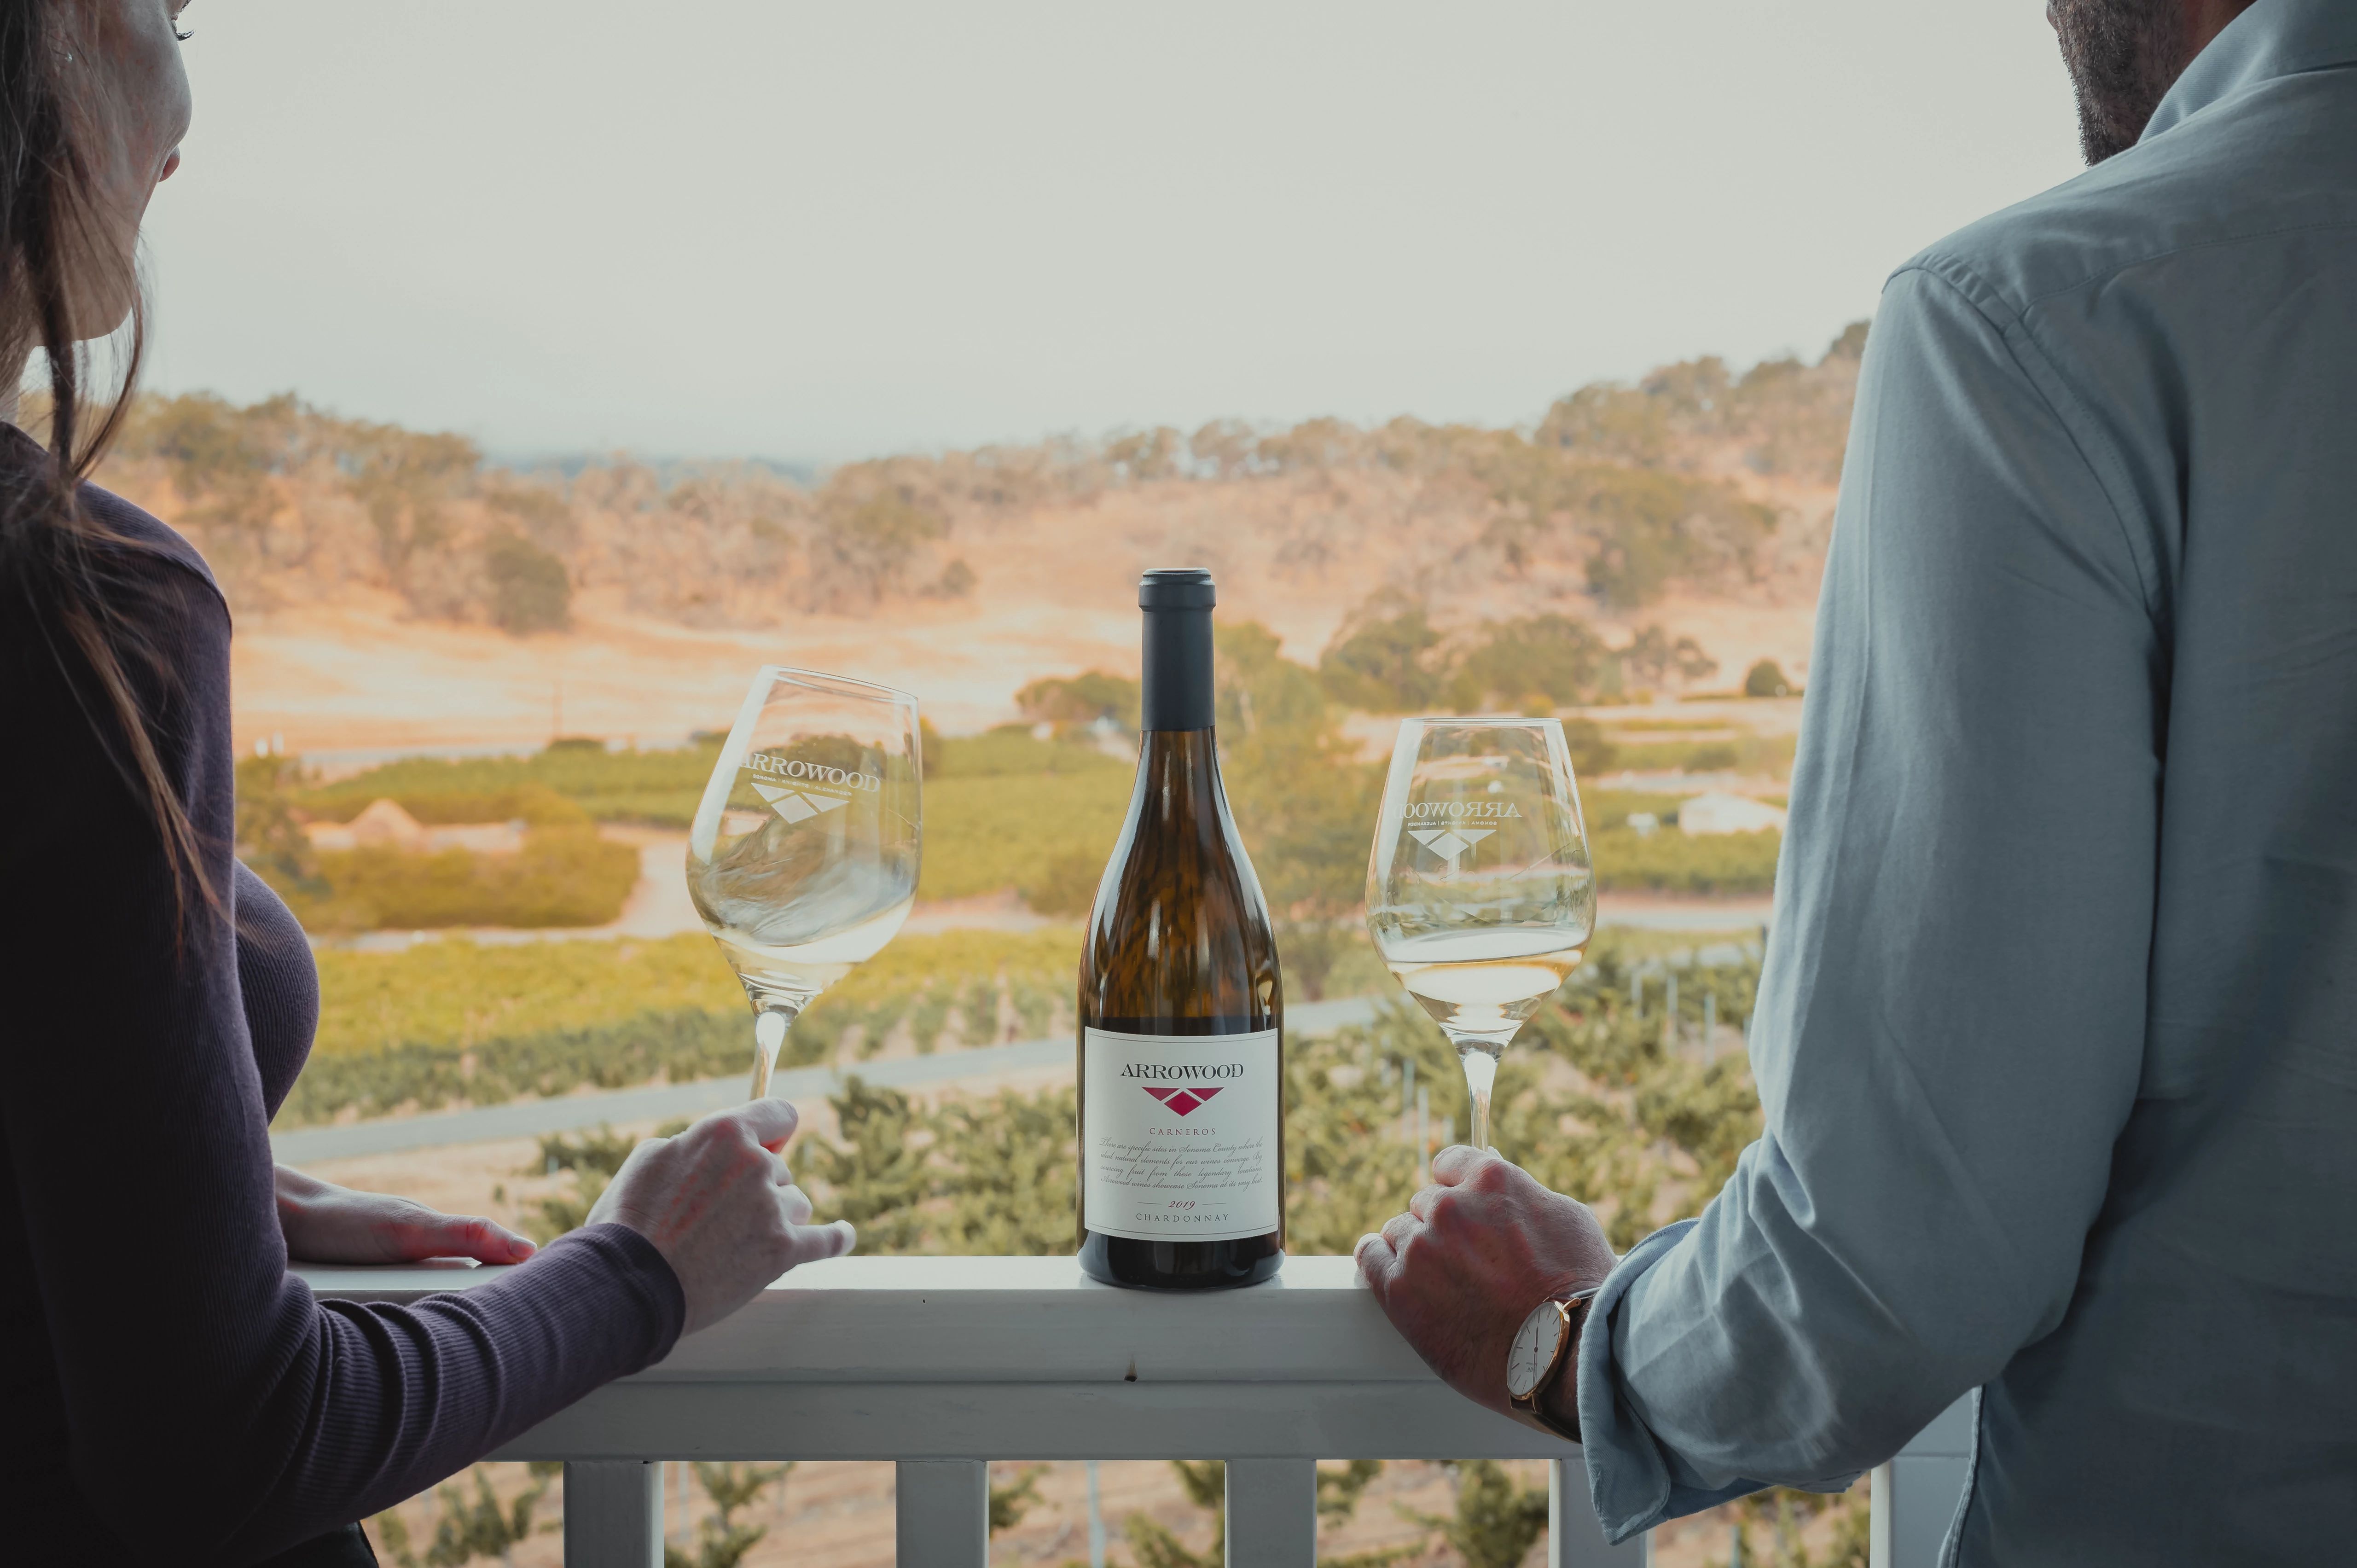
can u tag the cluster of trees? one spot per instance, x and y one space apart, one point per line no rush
1633 487
283 495
1389 657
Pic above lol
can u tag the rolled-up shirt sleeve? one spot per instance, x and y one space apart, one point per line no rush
1952 1014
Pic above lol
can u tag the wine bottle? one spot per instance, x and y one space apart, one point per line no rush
1181 1010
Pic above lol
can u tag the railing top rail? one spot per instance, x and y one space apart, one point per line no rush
989 1320
1015 1358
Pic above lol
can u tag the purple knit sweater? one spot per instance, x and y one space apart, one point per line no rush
168 1391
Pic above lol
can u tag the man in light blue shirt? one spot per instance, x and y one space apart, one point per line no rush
2057 1036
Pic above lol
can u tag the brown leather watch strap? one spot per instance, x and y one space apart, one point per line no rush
1575 1308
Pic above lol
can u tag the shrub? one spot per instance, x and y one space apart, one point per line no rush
1765 679
562 876
536 804
530 590
1591 754
659 786
1065 885
1674 863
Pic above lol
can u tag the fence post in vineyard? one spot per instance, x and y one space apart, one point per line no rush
1272 1513
613 1513
940 1510
1575 1539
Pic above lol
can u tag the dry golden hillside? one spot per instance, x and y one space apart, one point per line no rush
393 588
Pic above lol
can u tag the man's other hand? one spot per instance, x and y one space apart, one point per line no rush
1475 1252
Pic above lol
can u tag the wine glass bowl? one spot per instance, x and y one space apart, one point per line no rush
1480 894
803 856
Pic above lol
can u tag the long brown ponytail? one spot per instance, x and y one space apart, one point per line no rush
52 565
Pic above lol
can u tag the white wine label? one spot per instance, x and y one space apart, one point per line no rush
1181 1133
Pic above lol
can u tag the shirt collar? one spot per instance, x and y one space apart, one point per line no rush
2274 38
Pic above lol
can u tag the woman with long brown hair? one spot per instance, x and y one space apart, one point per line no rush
168 1390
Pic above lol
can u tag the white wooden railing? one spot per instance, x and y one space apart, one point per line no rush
943 1364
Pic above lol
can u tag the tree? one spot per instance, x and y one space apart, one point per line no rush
1496 1523
269 839
530 589
465 1530
1259 688
1652 659
721 1541
1303 800
1591 754
872 522
1553 657
1142 455
1205 1483
1081 698
1339 1491
407 480
1378 660
1009 1503
1765 679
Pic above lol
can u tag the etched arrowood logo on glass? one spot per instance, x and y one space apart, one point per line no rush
794 805
1451 842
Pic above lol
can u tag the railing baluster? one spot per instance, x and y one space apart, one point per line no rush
1916 1493
1272 1513
941 1509
1575 1539
613 1513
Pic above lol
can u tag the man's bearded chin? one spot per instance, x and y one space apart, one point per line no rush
2123 56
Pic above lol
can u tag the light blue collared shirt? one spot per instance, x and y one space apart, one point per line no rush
2057 1038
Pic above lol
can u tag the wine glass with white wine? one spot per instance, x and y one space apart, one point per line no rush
1480 895
803 859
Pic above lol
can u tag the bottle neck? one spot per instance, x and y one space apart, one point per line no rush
1176 683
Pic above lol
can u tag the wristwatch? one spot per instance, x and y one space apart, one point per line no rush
1541 1347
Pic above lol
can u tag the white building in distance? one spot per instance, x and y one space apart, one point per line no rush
1722 813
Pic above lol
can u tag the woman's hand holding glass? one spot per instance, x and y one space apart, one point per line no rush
719 1204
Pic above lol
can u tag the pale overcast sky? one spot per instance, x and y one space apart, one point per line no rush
812 233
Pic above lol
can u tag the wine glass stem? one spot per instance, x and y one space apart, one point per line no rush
770 1025
1480 1059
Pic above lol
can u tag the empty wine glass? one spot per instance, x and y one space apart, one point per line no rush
1480 892
803 859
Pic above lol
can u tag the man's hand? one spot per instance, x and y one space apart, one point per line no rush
325 1223
1475 1252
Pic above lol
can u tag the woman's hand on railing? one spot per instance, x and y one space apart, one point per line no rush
325 1223
721 1207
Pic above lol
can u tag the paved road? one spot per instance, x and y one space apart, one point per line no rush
536 1118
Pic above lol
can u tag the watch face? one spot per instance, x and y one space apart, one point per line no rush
1535 1344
